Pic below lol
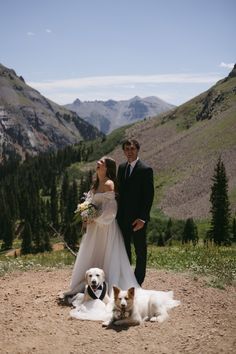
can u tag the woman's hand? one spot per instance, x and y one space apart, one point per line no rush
88 222
84 225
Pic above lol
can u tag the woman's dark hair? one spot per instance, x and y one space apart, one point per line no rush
131 142
111 172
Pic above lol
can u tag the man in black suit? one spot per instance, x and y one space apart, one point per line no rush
136 191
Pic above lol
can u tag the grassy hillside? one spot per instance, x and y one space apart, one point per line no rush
183 147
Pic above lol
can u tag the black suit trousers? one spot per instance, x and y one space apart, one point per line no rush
140 246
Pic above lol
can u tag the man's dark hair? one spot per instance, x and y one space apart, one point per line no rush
131 142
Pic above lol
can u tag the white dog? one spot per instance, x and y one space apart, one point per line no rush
93 287
96 287
124 310
94 303
133 306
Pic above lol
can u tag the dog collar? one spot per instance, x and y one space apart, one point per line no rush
123 313
94 296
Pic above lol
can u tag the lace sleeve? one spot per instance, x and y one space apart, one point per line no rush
108 212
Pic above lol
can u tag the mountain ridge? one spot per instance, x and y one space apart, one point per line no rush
111 114
31 123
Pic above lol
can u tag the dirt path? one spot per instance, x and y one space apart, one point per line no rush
32 322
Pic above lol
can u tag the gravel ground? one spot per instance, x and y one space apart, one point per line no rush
31 321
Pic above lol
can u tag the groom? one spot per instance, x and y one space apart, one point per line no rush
136 191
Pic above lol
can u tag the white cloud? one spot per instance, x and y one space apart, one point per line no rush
174 88
48 30
226 65
30 34
129 80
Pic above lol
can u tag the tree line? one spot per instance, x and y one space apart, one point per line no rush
38 192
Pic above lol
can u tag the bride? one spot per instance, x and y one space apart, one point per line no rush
102 246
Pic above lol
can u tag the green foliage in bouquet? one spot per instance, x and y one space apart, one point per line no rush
86 212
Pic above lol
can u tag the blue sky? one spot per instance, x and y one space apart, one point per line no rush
102 49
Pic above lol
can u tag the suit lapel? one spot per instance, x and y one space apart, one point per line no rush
124 170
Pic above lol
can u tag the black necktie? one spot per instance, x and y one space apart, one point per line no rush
127 171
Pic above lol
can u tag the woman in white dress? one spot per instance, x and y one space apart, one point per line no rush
102 245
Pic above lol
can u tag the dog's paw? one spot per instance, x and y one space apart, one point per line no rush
105 323
161 318
64 300
153 319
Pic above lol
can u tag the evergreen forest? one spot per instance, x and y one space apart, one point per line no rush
38 198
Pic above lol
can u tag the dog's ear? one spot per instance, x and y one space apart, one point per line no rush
86 276
116 291
102 275
131 292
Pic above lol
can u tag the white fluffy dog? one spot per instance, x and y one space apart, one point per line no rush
133 306
93 287
94 303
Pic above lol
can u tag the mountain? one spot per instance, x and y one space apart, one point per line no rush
30 123
183 147
109 115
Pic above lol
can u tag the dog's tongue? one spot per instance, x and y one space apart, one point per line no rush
94 287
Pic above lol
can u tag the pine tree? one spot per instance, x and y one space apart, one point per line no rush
44 229
220 208
85 184
73 199
71 235
47 243
38 238
160 239
81 188
71 203
168 232
64 197
26 245
190 233
54 203
234 230
7 231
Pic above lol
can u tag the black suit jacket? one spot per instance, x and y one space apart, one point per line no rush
135 194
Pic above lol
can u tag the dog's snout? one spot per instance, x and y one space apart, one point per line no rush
123 303
94 282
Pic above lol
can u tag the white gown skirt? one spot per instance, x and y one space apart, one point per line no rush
103 247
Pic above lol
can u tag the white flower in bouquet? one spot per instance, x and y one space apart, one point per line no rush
86 211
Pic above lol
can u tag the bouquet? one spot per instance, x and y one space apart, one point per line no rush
86 211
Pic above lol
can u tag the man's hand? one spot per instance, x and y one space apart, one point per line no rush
138 224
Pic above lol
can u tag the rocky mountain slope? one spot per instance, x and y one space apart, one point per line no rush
109 115
183 147
30 123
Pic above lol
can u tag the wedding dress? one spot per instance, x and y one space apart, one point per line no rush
102 246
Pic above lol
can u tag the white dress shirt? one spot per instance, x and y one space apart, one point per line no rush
132 165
